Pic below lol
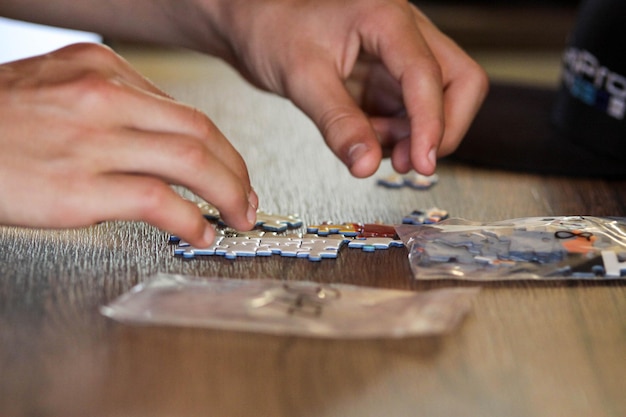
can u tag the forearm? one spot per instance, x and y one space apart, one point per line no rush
184 23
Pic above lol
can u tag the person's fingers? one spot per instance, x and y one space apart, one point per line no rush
465 84
393 35
143 112
110 124
383 94
344 126
463 99
394 134
141 198
181 160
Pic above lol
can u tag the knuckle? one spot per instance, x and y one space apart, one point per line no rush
201 124
331 120
431 70
82 87
192 154
91 52
152 197
94 90
481 79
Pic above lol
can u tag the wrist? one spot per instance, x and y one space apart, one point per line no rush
204 25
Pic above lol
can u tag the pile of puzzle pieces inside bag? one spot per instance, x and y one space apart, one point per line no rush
277 234
577 247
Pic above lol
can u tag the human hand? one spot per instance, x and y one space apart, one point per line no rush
416 90
85 139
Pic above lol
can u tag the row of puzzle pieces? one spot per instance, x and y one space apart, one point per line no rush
311 247
321 241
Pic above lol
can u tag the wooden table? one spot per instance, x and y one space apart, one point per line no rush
526 349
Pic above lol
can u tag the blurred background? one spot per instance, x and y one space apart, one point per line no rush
23 39
514 40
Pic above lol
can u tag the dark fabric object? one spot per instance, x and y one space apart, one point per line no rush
578 129
514 131
591 105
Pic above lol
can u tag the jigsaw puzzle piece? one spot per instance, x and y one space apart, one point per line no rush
613 266
392 181
494 261
208 210
469 240
377 230
428 216
267 221
232 247
277 222
421 182
281 245
329 228
370 244
187 251
535 246
413 180
316 249
440 252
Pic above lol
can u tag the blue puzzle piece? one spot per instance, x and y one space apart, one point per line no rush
413 180
428 216
370 244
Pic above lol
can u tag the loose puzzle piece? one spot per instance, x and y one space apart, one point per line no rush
421 182
208 210
428 216
277 222
413 180
267 221
392 181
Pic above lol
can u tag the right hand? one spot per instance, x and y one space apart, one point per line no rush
413 91
86 139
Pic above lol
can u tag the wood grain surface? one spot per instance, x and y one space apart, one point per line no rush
526 349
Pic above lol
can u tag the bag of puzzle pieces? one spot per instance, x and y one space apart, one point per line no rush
296 308
534 248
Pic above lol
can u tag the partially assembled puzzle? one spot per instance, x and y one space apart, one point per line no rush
274 235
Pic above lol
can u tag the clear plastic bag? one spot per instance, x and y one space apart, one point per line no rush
537 248
291 308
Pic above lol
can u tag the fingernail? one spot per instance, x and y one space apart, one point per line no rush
432 157
253 199
356 152
208 235
253 204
